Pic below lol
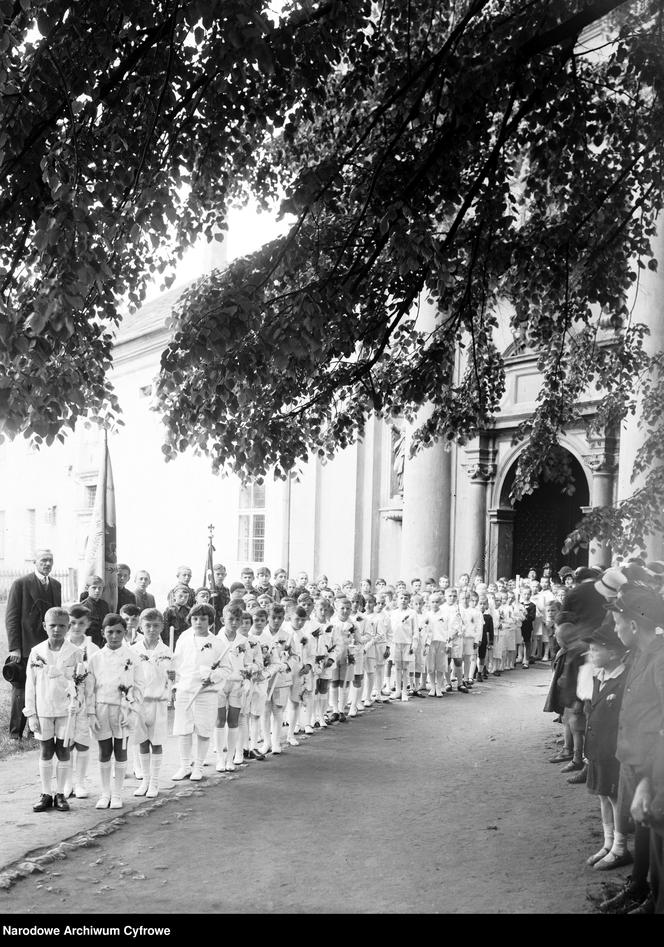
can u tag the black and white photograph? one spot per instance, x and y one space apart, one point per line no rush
331 461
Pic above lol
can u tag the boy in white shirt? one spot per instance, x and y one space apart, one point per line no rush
114 689
79 622
50 689
405 637
229 692
342 630
455 633
437 656
280 658
325 649
152 723
198 669
301 693
422 648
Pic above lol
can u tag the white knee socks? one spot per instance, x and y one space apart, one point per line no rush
46 776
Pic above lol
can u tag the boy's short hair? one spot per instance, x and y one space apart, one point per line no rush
203 588
232 610
180 587
370 599
113 619
246 616
419 598
201 608
288 600
94 580
263 570
237 585
79 611
300 612
152 614
304 598
179 569
57 610
124 567
260 613
276 609
130 610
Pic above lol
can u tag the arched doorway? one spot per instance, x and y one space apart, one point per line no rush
541 521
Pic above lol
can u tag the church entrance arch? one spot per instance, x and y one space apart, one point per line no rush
539 523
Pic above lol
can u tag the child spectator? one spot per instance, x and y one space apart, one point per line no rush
176 616
131 614
607 654
97 606
50 689
143 598
184 575
562 698
125 596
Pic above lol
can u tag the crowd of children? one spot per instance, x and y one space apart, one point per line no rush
240 665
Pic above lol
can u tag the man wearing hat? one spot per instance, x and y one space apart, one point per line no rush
30 597
639 612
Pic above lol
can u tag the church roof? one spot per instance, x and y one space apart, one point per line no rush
151 317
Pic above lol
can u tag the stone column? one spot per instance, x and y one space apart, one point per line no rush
425 536
603 465
649 310
501 543
471 523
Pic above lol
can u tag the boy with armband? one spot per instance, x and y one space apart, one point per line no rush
79 622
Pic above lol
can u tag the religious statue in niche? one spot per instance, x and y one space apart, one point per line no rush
398 460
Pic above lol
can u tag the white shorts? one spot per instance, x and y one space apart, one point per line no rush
420 662
302 686
230 694
279 698
108 716
468 647
437 656
152 723
80 729
400 654
54 727
199 717
456 644
358 667
253 698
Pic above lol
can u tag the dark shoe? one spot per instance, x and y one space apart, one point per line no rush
571 767
561 758
45 802
646 907
558 719
612 860
485 674
333 718
462 689
626 900
317 726
580 777
60 803
497 673
448 688
256 755
343 718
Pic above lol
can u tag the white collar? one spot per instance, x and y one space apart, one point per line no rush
43 579
603 675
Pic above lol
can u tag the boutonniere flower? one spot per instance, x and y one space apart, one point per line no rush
128 665
125 692
80 675
144 657
316 633
163 657
208 644
303 640
610 697
38 662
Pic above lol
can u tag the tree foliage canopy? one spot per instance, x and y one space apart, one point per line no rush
472 152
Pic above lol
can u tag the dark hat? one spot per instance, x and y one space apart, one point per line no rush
14 672
565 571
606 636
583 573
639 603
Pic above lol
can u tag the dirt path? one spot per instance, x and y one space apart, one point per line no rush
442 806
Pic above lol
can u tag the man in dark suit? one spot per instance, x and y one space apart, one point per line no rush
29 599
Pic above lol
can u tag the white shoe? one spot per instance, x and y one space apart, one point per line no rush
293 742
68 790
230 766
276 750
352 712
196 773
143 788
153 790
80 792
367 703
183 773
116 802
138 775
221 763
240 761
298 729
309 730
103 802
404 697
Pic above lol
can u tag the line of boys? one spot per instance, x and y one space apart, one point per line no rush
312 661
